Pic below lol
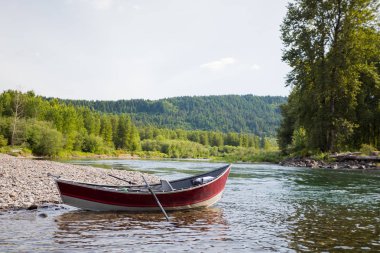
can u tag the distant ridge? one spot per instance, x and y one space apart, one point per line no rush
238 113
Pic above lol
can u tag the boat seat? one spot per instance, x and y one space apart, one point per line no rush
166 186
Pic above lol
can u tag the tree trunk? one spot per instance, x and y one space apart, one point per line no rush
16 116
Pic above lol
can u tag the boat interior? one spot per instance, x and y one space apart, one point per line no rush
180 184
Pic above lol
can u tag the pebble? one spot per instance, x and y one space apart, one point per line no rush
25 183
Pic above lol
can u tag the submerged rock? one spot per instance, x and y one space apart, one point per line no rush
32 207
43 215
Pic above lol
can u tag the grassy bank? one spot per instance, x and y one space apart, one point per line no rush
222 154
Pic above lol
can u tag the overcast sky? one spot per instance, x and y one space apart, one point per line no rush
122 49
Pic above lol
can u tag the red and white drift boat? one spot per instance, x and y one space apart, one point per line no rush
192 192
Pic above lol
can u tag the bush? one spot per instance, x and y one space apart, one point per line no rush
93 144
299 140
151 145
367 149
43 139
3 141
5 127
320 156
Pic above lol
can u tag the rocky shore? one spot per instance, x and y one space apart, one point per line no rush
25 184
312 163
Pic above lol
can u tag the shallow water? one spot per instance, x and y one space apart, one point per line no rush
264 208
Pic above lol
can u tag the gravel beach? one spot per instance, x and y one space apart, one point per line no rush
24 183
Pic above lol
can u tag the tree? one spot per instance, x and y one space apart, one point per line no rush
232 139
133 139
203 138
286 129
124 127
216 139
17 109
106 130
330 46
127 134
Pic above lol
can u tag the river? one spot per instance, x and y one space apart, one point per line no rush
265 208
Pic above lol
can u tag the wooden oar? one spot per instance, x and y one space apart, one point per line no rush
155 197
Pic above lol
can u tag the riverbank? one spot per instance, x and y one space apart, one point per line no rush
336 164
25 184
229 154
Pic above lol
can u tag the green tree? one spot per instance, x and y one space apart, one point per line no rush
203 138
329 45
216 139
70 126
232 139
106 130
134 143
124 126
17 113
128 136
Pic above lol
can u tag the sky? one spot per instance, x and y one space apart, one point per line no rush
127 49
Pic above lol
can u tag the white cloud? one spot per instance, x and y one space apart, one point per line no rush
255 67
219 64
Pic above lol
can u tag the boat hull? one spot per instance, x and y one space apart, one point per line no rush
91 197
98 206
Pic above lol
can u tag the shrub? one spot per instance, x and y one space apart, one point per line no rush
43 139
3 141
93 144
299 140
367 149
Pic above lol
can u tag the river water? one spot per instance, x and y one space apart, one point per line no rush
265 208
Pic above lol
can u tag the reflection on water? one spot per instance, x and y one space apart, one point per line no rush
322 227
94 230
334 210
264 208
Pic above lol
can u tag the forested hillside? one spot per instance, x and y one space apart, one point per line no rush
229 113
52 128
